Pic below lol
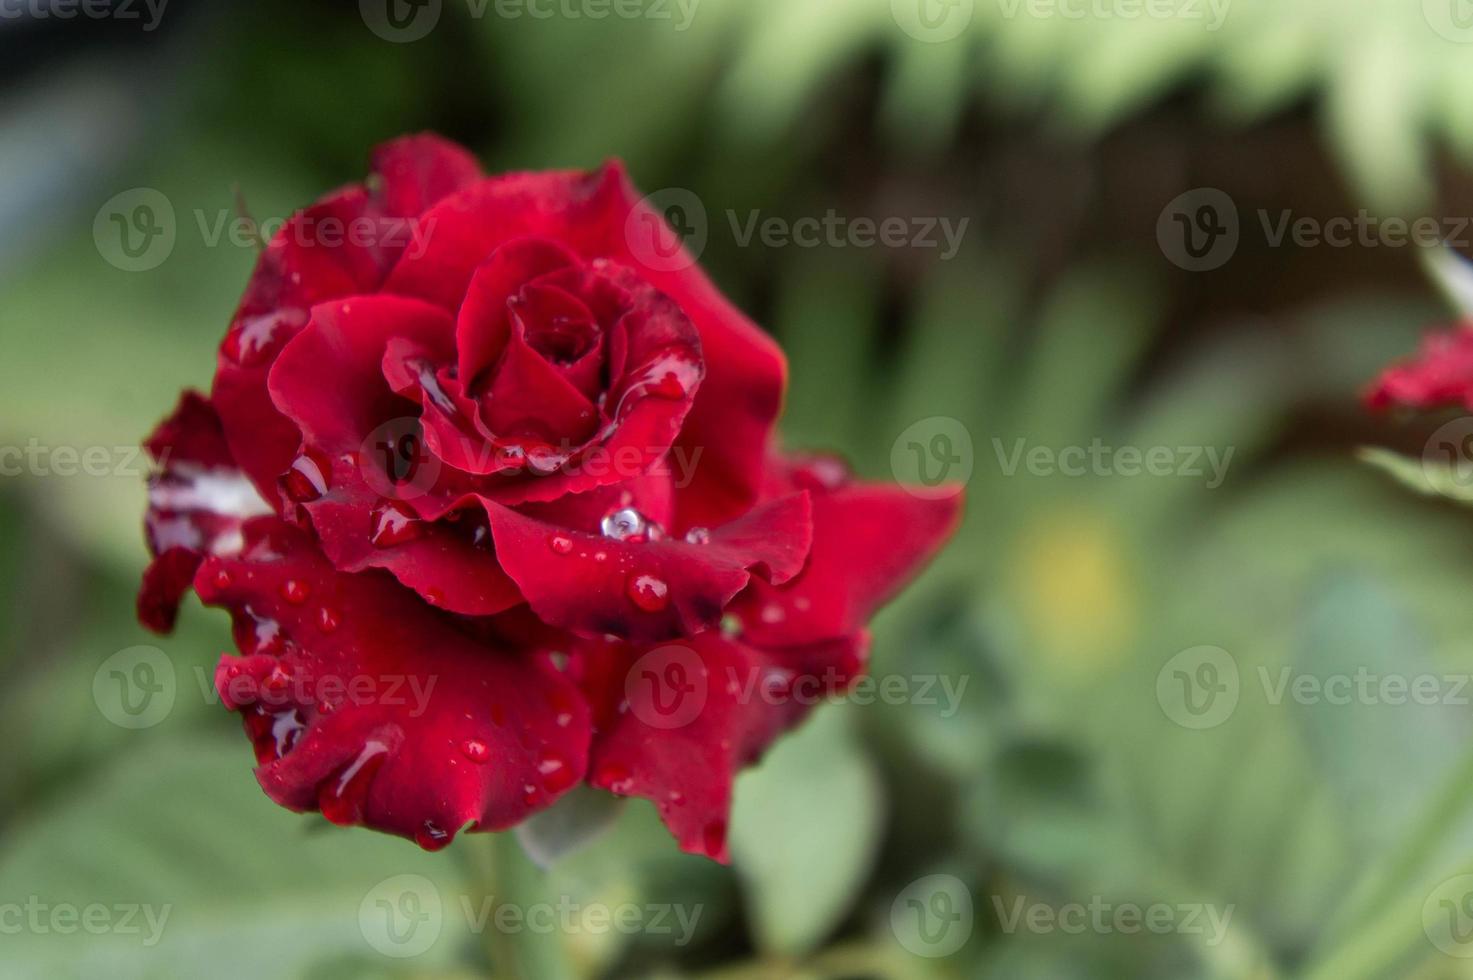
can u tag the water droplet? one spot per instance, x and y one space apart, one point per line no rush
621 525
714 837
432 837
308 479
394 523
222 579
698 535
434 597
649 593
342 799
557 775
286 730
475 750
255 340
773 614
328 619
531 795
561 544
615 778
277 681
677 797
295 591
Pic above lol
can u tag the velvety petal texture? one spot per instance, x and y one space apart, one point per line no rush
487 483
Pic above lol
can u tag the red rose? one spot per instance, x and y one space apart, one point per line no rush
469 440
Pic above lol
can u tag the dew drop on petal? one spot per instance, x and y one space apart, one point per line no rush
328 619
649 593
475 750
342 798
394 523
773 614
433 837
295 591
698 535
308 479
557 775
623 524
560 544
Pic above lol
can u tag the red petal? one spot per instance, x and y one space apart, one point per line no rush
676 724
1439 376
484 321
367 704
197 502
330 379
646 590
440 562
302 267
419 171
868 541
593 214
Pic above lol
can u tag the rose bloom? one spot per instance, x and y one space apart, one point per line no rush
489 487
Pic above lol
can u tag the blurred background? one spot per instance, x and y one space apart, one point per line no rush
1187 698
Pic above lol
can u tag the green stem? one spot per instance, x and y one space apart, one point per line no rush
504 876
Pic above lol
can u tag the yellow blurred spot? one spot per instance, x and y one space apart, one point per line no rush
1075 590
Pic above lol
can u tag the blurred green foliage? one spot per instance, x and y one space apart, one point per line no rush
1321 829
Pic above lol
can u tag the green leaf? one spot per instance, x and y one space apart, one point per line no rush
804 833
222 882
1430 477
573 822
